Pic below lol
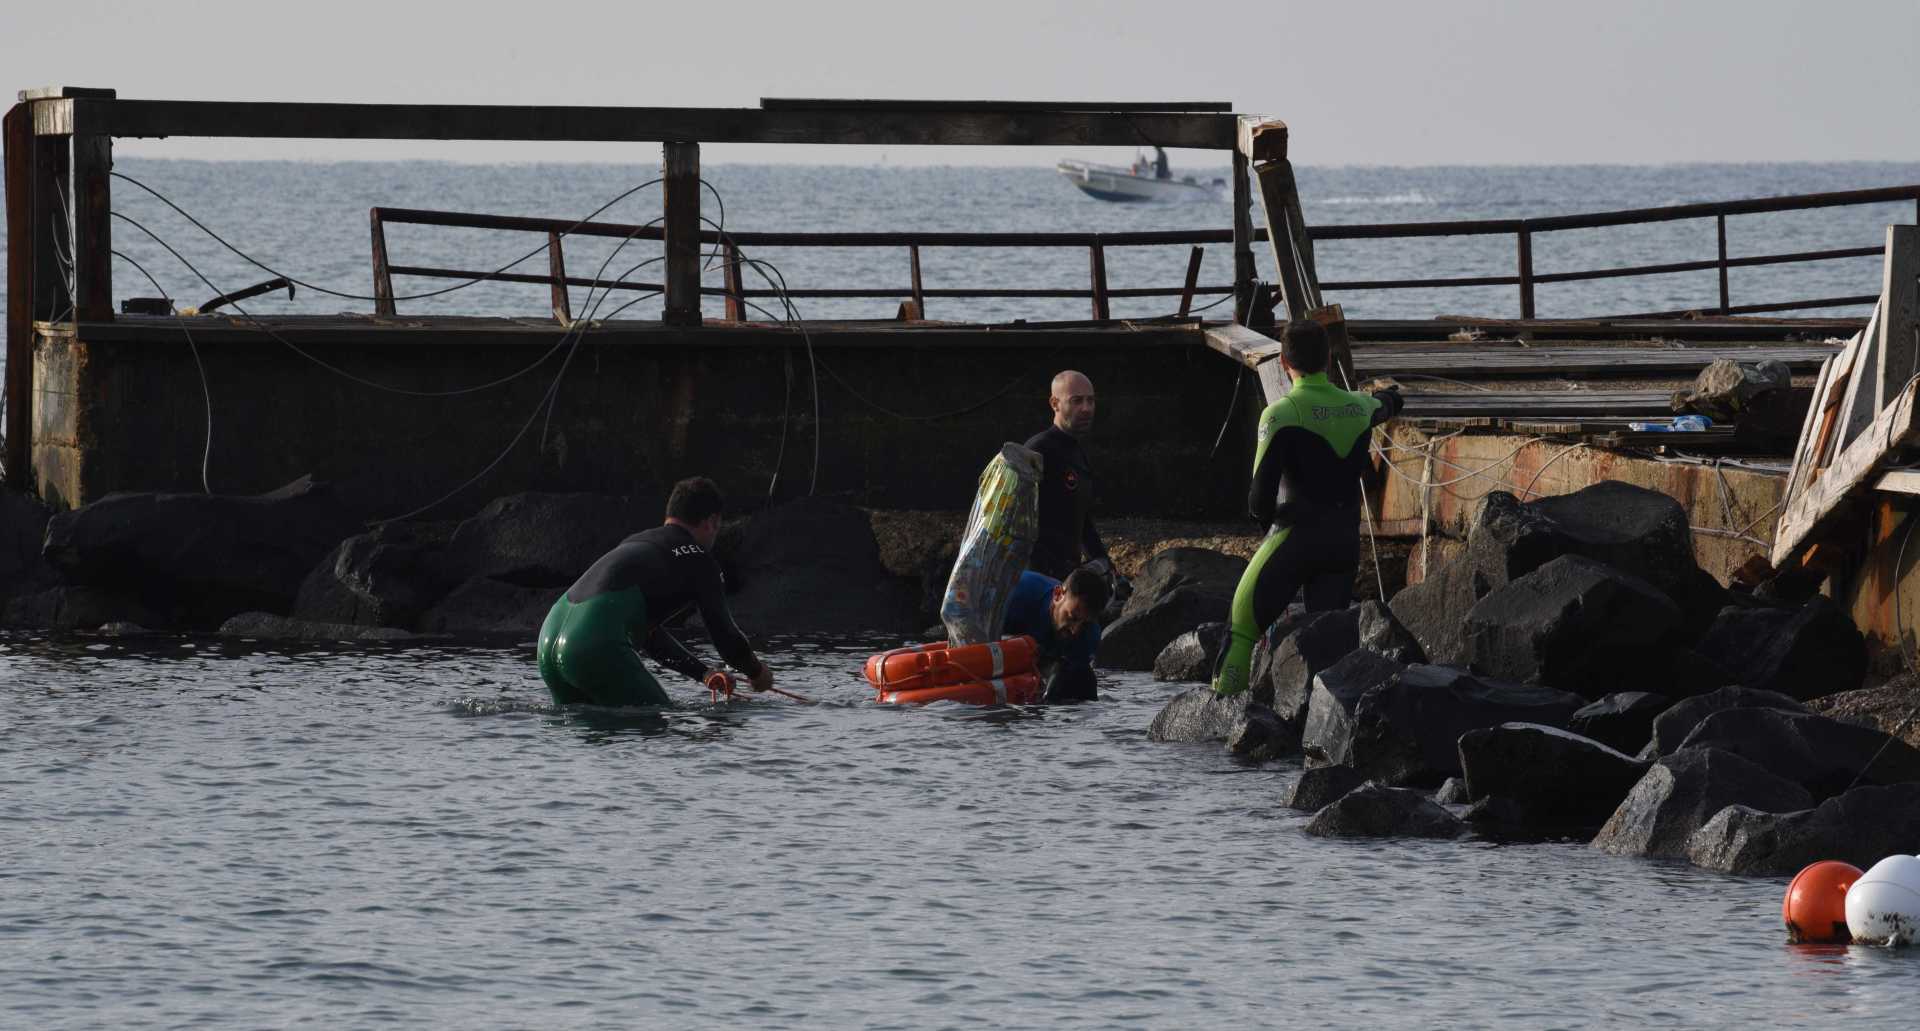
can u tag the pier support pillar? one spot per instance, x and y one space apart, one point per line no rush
680 172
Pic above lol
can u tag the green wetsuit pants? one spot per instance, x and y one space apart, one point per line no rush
1320 555
586 655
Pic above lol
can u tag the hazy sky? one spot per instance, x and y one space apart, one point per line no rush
1444 82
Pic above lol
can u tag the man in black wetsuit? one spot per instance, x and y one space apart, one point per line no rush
586 651
1066 536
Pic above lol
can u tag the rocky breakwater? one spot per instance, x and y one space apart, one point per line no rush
1574 674
294 563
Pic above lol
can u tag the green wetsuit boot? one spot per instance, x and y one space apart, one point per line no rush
586 652
1311 453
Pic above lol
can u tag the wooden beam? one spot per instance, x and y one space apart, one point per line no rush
1339 351
919 295
18 129
736 296
62 92
1242 234
1287 239
1860 402
93 228
1899 481
1261 139
1243 345
1899 350
680 188
1808 516
870 126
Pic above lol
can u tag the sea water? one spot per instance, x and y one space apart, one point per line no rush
207 833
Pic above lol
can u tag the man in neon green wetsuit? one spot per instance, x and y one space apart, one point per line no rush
1306 486
586 650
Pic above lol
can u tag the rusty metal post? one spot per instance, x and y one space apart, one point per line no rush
1725 300
557 268
1193 279
92 254
1097 272
919 297
382 279
680 190
736 294
1525 238
18 126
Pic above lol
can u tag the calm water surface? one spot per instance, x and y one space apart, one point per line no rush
202 833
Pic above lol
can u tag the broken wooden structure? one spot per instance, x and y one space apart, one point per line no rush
100 400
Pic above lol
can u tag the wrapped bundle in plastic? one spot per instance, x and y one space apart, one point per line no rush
995 547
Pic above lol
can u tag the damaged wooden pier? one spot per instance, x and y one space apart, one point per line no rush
102 400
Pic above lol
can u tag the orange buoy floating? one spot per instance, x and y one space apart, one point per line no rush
1815 909
1020 689
977 674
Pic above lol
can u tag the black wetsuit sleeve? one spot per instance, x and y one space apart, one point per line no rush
1263 495
733 646
667 650
1391 404
1090 541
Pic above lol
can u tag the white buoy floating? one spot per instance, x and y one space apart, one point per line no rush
1883 906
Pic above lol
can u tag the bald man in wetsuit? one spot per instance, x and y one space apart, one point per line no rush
1066 536
1312 449
586 651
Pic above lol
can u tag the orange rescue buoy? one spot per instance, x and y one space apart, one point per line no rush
940 664
1020 689
1815 909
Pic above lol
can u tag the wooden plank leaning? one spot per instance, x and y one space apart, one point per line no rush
1814 511
1256 351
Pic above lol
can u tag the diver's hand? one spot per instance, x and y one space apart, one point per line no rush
763 679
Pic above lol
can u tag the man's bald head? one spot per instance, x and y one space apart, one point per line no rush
1072 402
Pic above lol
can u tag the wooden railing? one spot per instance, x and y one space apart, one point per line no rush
1097 290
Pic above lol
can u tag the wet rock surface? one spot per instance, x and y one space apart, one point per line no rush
813 566
1802 653
1823 755
546 540
198 558
1377 811
1682 791
268 627
1192 655
1197 714
484 607
1139 636
1177 590
1315 642
1406 731
388 576
1860 827
1320 786
1622 721
1561 780
1326 734
1572 623
1259 735
23 529
1673 725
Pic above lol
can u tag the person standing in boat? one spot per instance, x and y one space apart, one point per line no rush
1067 536
587 645
1063 619
1310 453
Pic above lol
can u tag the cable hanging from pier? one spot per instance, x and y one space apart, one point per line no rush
206 392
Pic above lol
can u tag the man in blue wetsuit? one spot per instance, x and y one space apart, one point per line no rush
1060 617
586 650
1311 451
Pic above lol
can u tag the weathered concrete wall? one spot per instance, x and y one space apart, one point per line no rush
1732 510
122 409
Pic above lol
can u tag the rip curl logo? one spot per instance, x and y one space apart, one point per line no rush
1073 480
1325 412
